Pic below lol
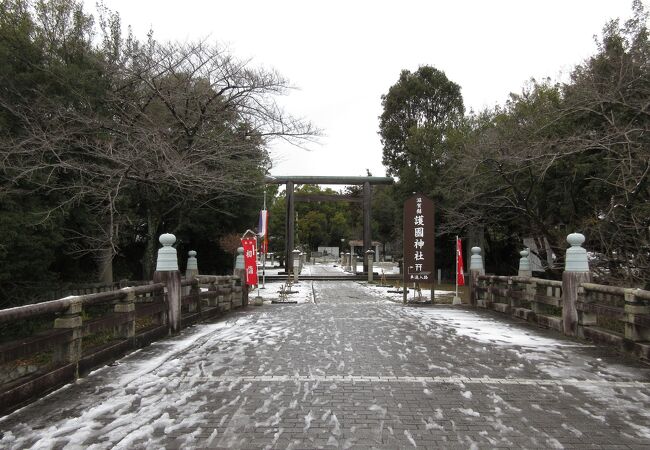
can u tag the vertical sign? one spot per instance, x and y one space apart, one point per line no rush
418 240
460 275
250 260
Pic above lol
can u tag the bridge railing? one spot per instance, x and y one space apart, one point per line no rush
65 338
574 306
529 298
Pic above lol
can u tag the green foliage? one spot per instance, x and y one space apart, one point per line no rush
559 158
418 127
322 223
113 141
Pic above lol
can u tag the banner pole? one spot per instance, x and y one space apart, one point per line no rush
264 241
258 274
456 265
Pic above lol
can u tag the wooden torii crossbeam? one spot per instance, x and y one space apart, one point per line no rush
291 181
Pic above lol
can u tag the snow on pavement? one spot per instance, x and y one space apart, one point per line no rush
347 366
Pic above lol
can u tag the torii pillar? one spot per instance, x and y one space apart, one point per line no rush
367 229
290 181
291 216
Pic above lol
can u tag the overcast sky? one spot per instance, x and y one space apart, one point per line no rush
343 55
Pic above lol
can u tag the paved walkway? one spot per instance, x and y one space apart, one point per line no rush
350 369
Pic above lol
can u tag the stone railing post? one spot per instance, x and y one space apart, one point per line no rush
524 264
70 351
634 306
370 258
475 269
167 272
576 272
531 292
195 292
213 299
347 262
126 308
490 297
586 317
512 302
233 294
191 271
240 271
353 263
296 265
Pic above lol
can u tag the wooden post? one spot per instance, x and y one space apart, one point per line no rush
576 272
475 269
167 272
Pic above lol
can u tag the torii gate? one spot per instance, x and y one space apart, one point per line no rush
290 181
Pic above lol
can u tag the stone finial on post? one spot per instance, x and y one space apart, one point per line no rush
191 271
167 259
192 264
167 272
576 272
370 258
524 264
239 260
475 270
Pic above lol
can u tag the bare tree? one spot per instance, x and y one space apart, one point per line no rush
558 159
169 127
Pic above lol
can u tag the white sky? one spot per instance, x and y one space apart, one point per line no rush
342 56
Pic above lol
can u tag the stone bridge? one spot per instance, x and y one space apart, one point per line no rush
349 366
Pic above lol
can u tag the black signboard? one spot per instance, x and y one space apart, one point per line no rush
418 240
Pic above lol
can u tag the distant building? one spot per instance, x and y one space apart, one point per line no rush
356 247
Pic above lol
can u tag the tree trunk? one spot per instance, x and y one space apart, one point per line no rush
105 265
151 246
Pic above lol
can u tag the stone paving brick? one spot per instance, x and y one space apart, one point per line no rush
352 371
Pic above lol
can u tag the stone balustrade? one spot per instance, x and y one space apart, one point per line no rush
574 306
75 334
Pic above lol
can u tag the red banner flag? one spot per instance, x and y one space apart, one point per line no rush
250 260
460 276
